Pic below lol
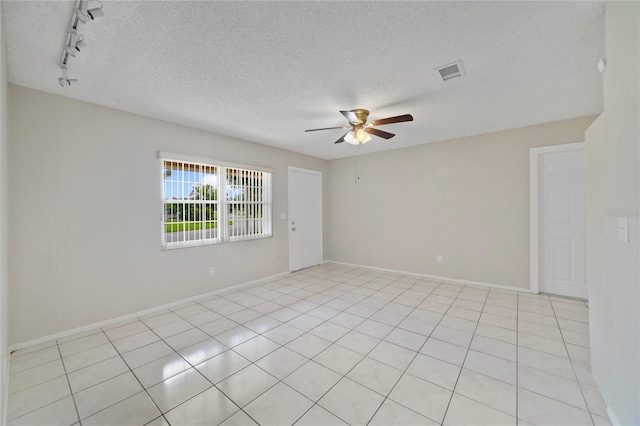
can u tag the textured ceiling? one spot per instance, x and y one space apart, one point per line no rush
265 71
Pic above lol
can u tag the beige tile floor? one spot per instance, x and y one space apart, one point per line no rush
329 345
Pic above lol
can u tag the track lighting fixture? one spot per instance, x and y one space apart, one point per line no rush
65 81
75 43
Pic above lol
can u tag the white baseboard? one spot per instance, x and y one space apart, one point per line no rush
73 331
434 277
612 417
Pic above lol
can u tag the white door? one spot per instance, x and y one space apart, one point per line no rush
562 223
305 218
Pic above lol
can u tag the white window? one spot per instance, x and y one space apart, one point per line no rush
210 202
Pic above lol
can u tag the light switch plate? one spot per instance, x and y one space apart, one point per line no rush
623 229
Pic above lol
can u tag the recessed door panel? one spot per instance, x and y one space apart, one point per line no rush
562 225
560 259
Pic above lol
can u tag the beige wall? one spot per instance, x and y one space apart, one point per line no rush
466 199
613 145
4 227
85 202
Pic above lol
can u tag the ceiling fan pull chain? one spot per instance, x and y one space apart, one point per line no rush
357 163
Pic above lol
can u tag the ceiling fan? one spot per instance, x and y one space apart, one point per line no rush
360 128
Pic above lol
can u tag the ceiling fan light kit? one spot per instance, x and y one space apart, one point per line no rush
361 129
357 137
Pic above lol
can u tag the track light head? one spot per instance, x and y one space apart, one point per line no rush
73 37
95 13
82 17
71 51
64 82
80 44
85 16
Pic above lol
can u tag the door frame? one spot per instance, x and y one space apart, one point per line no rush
289 198
534 206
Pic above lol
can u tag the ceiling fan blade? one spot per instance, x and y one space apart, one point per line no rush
390 120
325 128
380 133
351 116
341 138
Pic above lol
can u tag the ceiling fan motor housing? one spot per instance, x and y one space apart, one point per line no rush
362 115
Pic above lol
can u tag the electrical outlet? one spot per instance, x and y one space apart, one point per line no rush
440 259
212 271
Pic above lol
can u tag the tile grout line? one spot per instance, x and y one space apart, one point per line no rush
131 321
314 403
175 352
133 374
485 353
39 383
254 362
586 404
429 337
100 330
344 376
468 348
192 366
57 346
453 391
308 359
325 321
416 355
250 362
66 374
320 288
558 376
73 398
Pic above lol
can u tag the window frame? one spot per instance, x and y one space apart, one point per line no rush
222 202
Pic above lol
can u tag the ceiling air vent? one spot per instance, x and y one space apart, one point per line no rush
449 71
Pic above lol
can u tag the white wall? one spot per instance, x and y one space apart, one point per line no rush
596 161
85 195
613 145
466 199
4 227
